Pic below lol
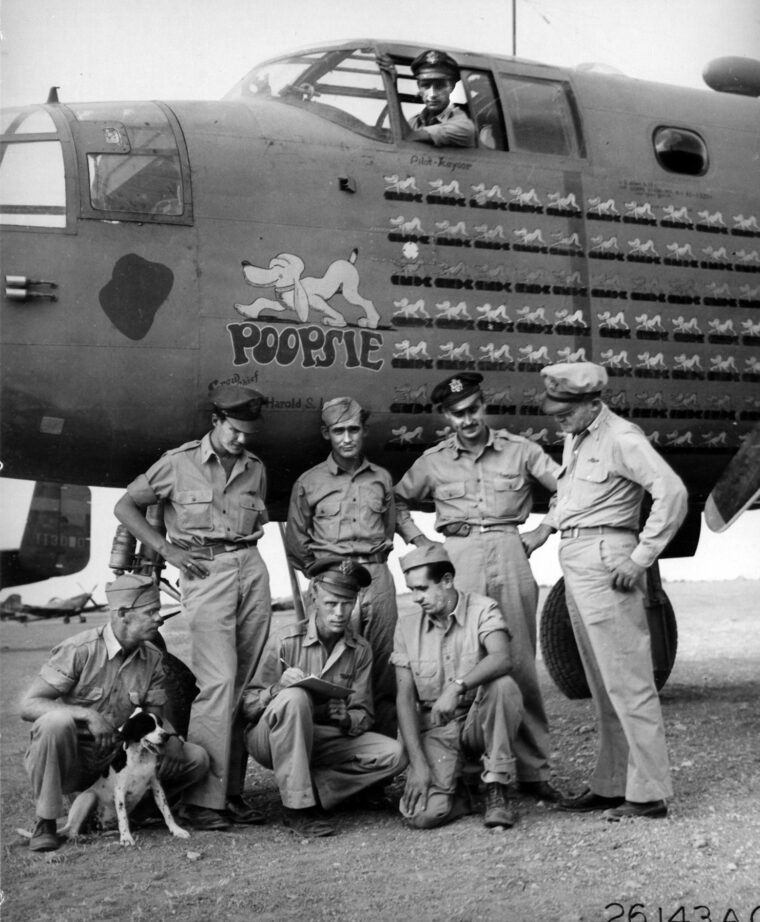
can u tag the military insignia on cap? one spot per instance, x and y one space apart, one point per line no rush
346 567
433 57
456 386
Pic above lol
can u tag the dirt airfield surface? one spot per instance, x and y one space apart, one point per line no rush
701 863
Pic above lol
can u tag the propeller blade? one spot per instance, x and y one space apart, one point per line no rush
738 486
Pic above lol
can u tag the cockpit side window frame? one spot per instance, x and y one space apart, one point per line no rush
63 136
87 211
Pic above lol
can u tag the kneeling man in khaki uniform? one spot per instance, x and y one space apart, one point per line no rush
319 746
455 698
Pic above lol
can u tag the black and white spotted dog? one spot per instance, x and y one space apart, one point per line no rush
122 785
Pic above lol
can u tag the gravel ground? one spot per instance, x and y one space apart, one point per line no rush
701 863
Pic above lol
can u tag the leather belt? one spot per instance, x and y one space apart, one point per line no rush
463 529
210 551
379 557
582 531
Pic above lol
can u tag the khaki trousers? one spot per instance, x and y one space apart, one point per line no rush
493 563
375 619
311 759
613 639
486 731
229 613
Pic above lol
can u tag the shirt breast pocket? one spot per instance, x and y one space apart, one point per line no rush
449 497
193 508
251 512
590 483
507 493
426 679
327 518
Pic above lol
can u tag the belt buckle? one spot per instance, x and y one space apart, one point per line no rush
575 531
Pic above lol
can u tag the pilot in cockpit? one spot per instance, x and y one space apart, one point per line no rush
440 122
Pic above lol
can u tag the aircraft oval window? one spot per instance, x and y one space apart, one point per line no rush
343 87
679 150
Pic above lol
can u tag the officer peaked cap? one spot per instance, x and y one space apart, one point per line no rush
456 388
341 575
240 404
434 63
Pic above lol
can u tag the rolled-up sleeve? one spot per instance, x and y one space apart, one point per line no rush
413 487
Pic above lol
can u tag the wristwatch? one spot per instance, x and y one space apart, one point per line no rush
462 684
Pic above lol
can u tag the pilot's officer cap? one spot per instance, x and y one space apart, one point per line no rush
132 590
340 575
422 556
340 410
241 404
571 382
456 389
432 63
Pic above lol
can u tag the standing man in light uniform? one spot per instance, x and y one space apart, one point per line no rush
441 122
480 481
607 466
344 506
214 491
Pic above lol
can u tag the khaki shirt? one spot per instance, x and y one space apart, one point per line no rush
450 128
605 472
490 487
349 664
438 653
333 511
92 670
203 506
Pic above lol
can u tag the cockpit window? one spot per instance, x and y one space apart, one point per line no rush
133 160
32 175
344 87
679 150
541 116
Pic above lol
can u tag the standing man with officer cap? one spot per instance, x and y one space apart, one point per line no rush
213 492
480 480
88 688
440 122
607 466
318 746
344 506
456 697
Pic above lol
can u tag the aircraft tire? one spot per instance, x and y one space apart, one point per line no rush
560 651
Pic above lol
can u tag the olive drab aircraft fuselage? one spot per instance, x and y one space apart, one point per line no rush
289 238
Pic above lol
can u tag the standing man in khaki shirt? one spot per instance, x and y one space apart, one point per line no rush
214 491
607 466
480 480
344 506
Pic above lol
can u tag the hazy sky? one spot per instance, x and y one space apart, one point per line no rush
180 49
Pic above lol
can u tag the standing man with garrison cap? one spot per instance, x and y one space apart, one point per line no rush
344 506
480 481
440 122
607 466
213 491
318 745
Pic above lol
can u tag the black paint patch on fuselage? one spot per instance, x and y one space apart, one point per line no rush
134 294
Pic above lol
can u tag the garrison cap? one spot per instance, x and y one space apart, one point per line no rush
456 388
131 590
572 382
341 575
241 404
422 556
434 63
340 409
